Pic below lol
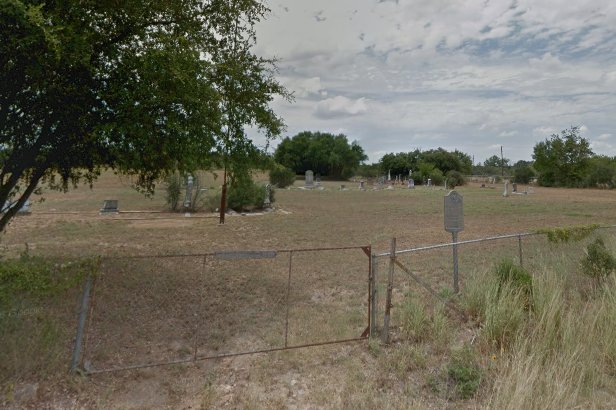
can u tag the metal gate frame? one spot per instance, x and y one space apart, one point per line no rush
86 313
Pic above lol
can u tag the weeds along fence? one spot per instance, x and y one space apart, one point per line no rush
151 311
147 311
426 274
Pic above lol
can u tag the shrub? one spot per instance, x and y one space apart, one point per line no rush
281 176
173 191
523 175
508 272
598 262
245 194
464 373
454 179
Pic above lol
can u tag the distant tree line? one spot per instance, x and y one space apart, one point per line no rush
435 164
562 160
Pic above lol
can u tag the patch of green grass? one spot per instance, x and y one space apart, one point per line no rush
465 374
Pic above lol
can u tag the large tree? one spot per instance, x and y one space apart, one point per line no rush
143 87
320 152
563 160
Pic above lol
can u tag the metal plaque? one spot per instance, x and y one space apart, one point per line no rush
237 255
454 212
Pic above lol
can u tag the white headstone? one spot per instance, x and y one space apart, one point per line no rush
506 192
309 179
411 184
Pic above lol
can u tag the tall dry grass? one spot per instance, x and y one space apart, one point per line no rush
558 353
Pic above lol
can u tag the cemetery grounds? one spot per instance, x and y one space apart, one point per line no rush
152 299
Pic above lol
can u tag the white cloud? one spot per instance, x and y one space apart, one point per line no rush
340 106
464 74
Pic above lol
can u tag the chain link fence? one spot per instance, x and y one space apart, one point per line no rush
150 311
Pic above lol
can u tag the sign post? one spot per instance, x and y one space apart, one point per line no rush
454 223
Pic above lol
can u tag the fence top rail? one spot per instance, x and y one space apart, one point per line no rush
218 253
489 238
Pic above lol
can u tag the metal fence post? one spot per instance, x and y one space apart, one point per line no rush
390 287
520 249
83 313
286 325
456 285
373 293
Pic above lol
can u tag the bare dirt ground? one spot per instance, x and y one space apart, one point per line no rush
353 375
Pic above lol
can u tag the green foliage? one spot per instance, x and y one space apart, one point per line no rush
173 190
566 234
506 304
495 162
145 88
563 160
245 195
36 277
598 262
428 164
454 179
523 175
464 373
281 177
508 272
601 172
369 170
322 153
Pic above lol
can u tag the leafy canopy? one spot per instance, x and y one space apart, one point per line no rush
563 160
322 153
145 88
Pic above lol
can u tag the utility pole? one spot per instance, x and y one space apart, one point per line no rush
502 163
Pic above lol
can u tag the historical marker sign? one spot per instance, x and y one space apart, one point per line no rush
454 212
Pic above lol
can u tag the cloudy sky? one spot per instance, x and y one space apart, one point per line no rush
472 75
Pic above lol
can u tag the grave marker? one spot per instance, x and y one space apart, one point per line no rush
309 182
110 206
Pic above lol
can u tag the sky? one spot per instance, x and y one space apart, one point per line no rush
472 75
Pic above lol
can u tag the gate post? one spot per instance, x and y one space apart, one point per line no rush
390 287
373 295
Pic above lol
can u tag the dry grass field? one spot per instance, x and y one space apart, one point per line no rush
151 309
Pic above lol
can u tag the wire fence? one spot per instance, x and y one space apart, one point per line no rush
428 271
151 311
145 311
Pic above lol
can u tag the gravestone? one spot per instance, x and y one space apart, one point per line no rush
361 185
267 203
429 181
110 206
389 175
309 183
318 181
411 184
514 187
506 192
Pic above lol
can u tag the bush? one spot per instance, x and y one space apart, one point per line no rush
464 373
454 179
245 194
508 272
598 262
281 176
173 191
523 175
